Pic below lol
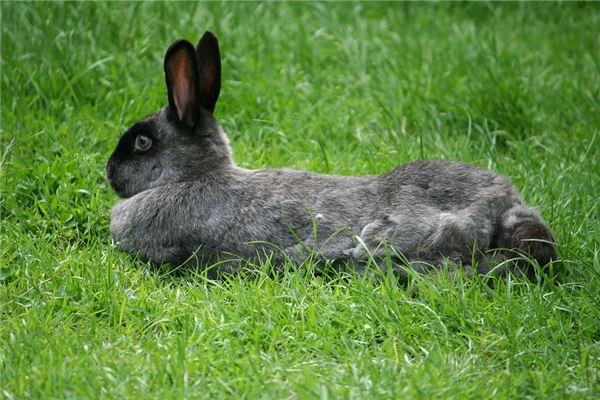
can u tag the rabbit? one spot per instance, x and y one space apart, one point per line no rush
187 203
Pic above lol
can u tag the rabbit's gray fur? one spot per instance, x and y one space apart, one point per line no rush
190 203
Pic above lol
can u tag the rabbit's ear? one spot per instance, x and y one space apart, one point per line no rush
209 70
181 76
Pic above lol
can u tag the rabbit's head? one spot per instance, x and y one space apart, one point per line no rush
181 141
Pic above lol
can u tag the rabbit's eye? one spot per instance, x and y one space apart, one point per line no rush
142 143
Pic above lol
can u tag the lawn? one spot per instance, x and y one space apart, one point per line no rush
339 88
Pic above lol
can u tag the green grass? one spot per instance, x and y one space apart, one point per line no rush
335 88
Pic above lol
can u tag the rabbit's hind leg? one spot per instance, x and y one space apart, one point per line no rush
460 236
437 240
393 237
388 233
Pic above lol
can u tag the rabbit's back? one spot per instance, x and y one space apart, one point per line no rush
447 185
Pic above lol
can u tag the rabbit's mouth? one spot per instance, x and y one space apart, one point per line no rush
118 185
120 188
121 193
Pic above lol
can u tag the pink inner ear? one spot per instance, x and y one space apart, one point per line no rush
183 87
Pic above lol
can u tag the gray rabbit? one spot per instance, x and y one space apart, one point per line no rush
187 202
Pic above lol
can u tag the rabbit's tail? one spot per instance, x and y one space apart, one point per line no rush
523 233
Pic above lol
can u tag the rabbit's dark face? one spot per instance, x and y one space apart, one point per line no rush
183 140
159 150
